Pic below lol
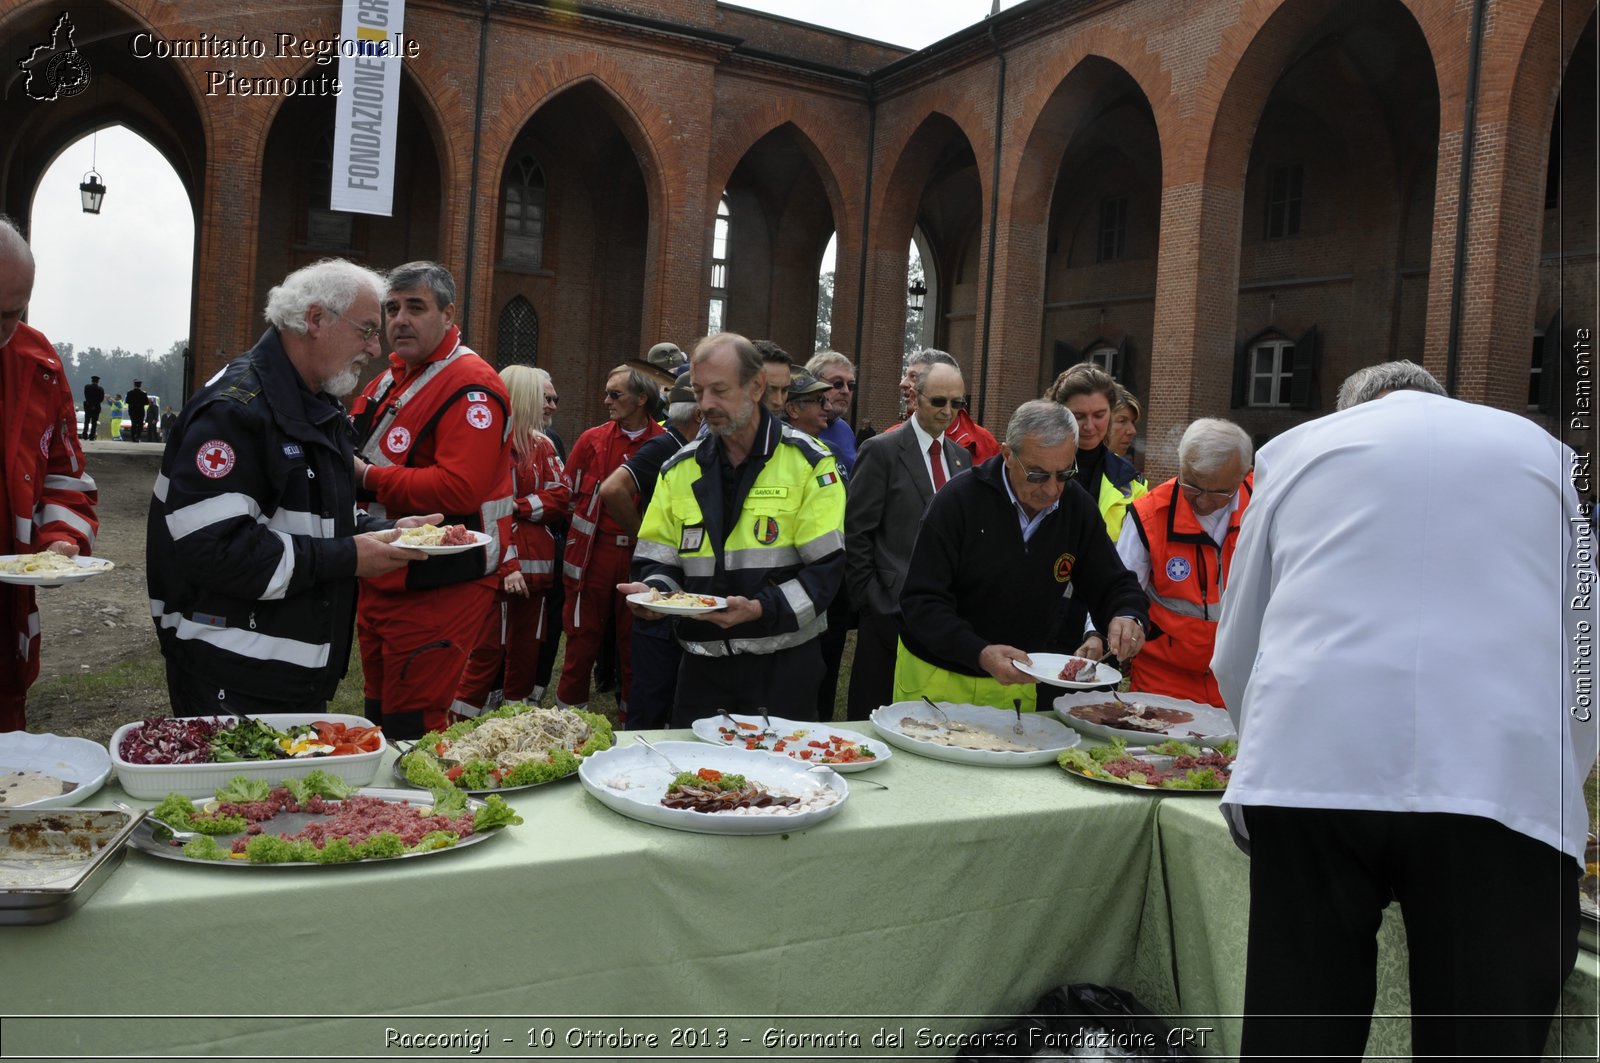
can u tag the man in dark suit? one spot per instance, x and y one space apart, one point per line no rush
137 401
94 396
895 477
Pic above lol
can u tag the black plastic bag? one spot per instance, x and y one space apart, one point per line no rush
1084 1021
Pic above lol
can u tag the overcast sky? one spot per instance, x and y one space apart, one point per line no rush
122 278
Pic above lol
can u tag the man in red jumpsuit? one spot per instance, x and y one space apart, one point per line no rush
49 497
599 550
433 436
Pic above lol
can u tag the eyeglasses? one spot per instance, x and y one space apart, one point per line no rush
842 385
1192 492
554 400
613 394
366 331
1039 476
939 402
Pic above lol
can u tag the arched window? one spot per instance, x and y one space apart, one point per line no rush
324 227
719 269
523 237
519 335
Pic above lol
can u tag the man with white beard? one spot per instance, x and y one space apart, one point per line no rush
753 512
253 547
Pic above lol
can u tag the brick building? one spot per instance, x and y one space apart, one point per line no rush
1232 203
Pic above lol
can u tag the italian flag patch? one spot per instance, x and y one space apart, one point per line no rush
477 396
827 478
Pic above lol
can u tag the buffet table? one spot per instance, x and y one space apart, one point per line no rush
958 894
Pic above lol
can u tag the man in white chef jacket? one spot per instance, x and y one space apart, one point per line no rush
1395 647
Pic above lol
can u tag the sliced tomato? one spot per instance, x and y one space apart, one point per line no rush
709 774
746 725
455 773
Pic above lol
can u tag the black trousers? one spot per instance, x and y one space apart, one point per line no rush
1491 920
91 421
872 671
780 684
192 696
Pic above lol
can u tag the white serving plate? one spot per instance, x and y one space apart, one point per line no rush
1038 729
649 601
72 759
1209 726
709 730
87 567
478 539
1046 668
144 840
155 781
632 780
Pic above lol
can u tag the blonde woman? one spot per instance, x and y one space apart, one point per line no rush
1125 414
513 633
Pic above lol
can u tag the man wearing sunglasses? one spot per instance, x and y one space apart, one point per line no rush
835 369
998 548
971 436
896 477
1181 550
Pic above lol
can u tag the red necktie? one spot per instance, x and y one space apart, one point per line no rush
935 464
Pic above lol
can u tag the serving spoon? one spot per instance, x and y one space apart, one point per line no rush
160 829
949 724
651 747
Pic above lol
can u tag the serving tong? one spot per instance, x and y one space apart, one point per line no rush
160 829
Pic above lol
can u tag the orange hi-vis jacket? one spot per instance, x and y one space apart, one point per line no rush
1188 572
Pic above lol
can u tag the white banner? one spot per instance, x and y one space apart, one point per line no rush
368 108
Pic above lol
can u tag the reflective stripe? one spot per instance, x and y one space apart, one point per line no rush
822 546
22 531
32 630
571 570
670 585
278 585
761 557
535 508
213 510
54 514
699 567
581 525
471 712
251 644
299 522
373 451
22 646
538 568
496 508
1181 606
650 550
160 489
793 593
380 459
70 483
771 644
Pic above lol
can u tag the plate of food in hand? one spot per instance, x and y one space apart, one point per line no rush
973 734
316 820
50 569
713 790
49 770
197 754
515 747
678 603
810 743
1169 767
1143 718
433 539
1069 672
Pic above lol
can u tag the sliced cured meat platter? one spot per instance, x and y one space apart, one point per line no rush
1144 719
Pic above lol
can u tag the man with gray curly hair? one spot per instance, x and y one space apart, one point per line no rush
253 547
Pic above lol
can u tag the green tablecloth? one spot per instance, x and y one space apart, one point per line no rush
1203 880
959 892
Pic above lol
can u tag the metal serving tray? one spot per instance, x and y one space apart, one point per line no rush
52 859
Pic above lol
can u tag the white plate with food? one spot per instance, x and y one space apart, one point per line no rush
433 539
679 603
516 747
744 791
49 770
973 734
810 743
1072 673
1168 768
1144 718
406 815
50 569
160 756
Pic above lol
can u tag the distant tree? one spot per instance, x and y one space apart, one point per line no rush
824 335
915 320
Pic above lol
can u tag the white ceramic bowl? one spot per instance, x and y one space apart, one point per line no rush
72 759
155 781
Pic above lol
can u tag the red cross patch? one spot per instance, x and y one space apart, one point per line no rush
478 415
398 440
44 440
214 459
